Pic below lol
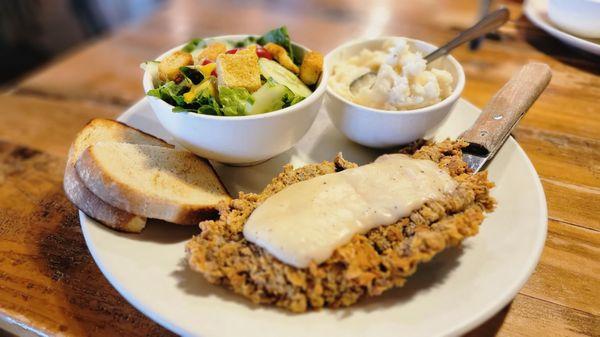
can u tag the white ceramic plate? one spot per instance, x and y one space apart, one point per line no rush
537 12
452 294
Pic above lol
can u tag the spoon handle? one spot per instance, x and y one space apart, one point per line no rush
489 23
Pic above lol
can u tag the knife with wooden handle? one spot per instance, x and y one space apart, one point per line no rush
502 113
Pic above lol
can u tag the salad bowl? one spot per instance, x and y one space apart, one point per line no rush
239 140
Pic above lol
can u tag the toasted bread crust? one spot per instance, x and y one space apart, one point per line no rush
281 55
120 194
368 265
211 51
94 207
88 202
239 70
168 68
311 67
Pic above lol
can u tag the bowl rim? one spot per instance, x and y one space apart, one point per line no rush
453 97
314 96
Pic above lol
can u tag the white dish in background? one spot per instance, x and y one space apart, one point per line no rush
537 12
384 128
458 290
242 140
578 17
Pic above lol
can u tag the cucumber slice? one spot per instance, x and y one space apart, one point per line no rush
269 97
272 69
152 68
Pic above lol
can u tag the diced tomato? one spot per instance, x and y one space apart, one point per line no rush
214 73
232 51
262 52
206 61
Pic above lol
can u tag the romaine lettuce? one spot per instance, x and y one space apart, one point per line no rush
207 103
170 92
281 37
245 42
193 75
193 45
234 100
204 102
291 99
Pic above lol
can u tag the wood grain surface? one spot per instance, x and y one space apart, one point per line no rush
49 284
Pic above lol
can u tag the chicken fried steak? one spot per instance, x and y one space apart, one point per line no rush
368 265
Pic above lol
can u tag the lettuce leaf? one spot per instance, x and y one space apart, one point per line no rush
193 45
170 92
281 37
207 104
291 99
234 100
245 42
192 74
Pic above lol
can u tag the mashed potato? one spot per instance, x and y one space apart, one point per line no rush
403 80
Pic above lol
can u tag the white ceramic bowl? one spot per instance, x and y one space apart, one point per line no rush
244 140
383 128
578 17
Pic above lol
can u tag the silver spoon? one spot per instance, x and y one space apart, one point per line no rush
487 24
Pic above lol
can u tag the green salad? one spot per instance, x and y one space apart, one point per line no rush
236 78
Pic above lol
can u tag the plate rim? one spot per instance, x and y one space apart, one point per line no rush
530 9
467 325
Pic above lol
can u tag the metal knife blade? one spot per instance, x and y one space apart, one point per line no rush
474 162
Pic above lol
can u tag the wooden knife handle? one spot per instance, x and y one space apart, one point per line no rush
505 109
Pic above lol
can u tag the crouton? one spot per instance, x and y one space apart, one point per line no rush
311 67
239 70
212 51
251 49
168 69
281 55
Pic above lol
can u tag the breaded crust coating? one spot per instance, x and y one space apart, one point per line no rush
368 265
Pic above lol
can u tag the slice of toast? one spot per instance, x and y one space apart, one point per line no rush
152 181
95 131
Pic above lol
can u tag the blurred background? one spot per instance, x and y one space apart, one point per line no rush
34 31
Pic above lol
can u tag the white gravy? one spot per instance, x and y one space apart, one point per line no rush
308 220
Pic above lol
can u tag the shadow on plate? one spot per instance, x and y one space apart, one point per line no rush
330 142
194 284
556 49
428 276
252 178
162 232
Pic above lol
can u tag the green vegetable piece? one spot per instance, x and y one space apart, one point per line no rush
170 92
273 70
193 45
234 100
180 109
206 100
192 74
281 37
209 110
291 99
270 97
245 42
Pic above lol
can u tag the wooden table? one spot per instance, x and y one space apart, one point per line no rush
49 283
